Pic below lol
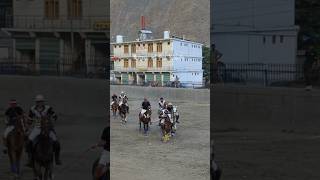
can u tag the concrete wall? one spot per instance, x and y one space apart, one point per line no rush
250 47
247 14
69 96
153 94
272 109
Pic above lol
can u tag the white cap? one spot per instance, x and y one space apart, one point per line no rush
39 97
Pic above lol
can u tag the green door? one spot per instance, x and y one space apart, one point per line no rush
125 78
166 77
149 77
158 78
49 55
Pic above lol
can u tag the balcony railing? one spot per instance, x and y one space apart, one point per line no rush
143 69
95 23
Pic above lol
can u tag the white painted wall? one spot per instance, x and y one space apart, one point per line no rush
187 62
238 28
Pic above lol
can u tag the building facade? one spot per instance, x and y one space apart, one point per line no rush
158 60
5 21
63 35
255 31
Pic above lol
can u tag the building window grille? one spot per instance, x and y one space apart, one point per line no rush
274 38
150 48
75 8
126 63
159 62
159 47
150 63
133 48
126 49
51 9
133 63
282 39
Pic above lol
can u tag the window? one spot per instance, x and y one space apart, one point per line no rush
159 62
274 38
159 47
75 8
264 39
51 9
169 43
150 47
133 48
281 39
150 63
126 63
133 63
126 49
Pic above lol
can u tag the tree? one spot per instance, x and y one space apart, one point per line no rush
206 62
307 17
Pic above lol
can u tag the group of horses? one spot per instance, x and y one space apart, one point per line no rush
43 150
167 127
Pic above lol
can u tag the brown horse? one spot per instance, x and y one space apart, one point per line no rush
145 119
43 153
166 128
15 143
114 108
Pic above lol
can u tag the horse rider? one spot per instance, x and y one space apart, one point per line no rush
145 105
12 114
162 104
36 113
122 97
114 98
105 155
170 108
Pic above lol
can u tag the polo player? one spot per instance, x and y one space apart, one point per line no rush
37 113
145 105
123 97
12 115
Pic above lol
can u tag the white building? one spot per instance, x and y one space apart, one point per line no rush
158 60
255 31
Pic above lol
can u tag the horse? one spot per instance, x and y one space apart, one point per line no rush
123 110
103 176
166 128
15 144
43 153
114 108
145 119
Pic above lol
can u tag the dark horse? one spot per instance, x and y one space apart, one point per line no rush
166 128
123 110
114 108
43 153
145 119
15 143
104 176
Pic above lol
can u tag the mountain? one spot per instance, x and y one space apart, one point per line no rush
190 18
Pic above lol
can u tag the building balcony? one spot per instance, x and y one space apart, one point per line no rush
143 69
145 55
63 24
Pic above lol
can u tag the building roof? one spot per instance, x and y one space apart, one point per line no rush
153 40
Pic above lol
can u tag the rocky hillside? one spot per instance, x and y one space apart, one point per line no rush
182 17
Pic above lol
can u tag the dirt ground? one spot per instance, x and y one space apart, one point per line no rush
267 133
135 156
